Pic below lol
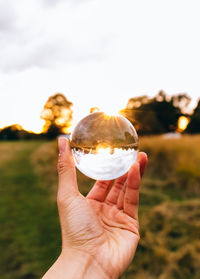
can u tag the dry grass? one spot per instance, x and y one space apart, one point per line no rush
7 151
44 162
169 208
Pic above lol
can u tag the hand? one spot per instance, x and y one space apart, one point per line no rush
100 233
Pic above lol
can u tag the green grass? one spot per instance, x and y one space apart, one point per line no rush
169 209
29 237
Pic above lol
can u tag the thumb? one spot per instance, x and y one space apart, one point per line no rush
67 184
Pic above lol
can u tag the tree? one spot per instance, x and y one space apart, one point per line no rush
57 114
181 101
194 125
94 109
166 112
155 115
11 132
142 116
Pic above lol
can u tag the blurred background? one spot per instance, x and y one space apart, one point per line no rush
61 60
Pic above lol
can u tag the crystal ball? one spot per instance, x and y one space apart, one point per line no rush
104 147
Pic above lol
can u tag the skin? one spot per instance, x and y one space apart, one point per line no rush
100 232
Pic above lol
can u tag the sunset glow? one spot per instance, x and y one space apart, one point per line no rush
111 111
98 64
34 126
182 123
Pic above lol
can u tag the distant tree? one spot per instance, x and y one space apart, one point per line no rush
194 125
94 109
181 101
53 131
136 102
16 132
166 112
143 119
142 116
57 114
155 115
11 132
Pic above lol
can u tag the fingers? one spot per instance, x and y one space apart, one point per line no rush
131 195
142 159
116 195
120 200
131 191
116 189
100 190
67 185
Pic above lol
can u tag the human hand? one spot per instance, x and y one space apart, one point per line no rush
100 232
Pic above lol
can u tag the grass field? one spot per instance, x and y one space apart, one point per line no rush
169 209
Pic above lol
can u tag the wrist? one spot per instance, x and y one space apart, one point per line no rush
75 264
82 265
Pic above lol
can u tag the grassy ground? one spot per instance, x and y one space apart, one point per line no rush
169 210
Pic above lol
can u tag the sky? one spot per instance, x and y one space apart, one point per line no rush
95 52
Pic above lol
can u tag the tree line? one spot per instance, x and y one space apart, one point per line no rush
149 115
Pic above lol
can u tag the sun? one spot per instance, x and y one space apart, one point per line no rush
107 109
183 123
110 111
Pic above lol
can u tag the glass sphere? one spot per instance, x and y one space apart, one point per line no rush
104 147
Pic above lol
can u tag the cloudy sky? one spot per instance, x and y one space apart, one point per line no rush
96 52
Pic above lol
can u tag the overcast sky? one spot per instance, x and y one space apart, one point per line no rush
96 52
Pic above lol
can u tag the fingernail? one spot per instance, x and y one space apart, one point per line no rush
62 145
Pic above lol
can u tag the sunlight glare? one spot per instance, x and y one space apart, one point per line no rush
36 126
183 123
110 111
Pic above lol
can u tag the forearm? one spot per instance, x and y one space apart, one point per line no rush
76 266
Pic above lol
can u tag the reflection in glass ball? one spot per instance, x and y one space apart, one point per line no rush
104 147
